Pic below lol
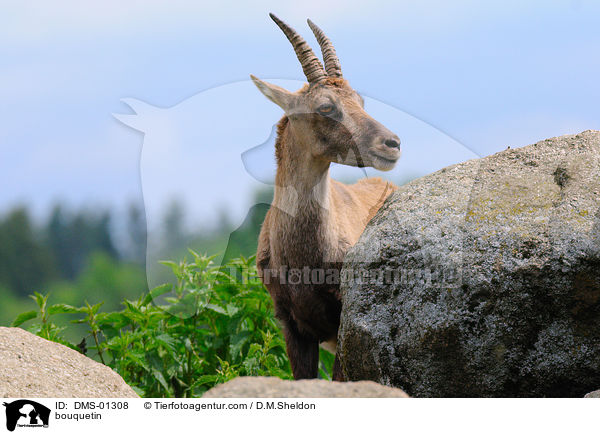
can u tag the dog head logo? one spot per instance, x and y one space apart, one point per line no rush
216 149
26 413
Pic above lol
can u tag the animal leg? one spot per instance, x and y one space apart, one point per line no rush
303 352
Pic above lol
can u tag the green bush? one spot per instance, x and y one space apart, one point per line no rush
179 340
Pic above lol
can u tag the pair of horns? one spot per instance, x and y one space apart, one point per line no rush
313 70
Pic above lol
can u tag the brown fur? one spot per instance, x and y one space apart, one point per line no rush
315 237
313 219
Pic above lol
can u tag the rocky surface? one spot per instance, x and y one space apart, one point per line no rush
33 367
483 279
594 394
272 387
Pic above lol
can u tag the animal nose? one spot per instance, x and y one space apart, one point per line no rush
392 142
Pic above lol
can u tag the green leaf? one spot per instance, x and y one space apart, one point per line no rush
62 308
139 391
161 379
232 309
131 306
96 307
206 379
238 341
167 341
175 268
216 308
113 318
156 292
254 348
138 360
39 299
26 316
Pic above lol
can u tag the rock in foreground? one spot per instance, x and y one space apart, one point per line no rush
484 278
33 367
272 387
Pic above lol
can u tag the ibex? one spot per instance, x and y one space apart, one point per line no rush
313 219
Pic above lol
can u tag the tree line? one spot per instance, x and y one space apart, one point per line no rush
33 254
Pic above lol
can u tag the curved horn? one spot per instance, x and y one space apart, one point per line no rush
332 63
313 70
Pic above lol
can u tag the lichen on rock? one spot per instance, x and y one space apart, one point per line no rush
494 285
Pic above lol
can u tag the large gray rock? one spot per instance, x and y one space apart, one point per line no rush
273 387
32 367
497 278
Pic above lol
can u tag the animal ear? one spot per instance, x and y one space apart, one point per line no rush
283 98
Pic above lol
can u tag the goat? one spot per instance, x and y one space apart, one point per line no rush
313 219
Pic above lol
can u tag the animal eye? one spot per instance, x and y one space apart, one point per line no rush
326 109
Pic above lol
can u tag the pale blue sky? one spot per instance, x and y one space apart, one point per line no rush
487 74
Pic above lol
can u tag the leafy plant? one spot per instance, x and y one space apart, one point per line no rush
179 340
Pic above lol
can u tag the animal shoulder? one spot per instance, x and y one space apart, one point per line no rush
365 191
356 204
376 184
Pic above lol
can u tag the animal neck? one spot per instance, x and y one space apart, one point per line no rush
304 222
302 182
